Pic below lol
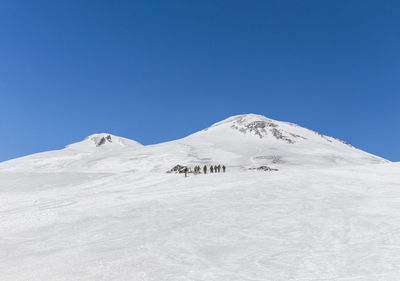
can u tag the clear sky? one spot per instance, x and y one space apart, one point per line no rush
155 71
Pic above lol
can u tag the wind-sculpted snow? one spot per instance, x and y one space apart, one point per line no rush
292 224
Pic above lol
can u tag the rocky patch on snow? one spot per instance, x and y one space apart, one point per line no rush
278 135
178 169
101 140
263 168
297 136
261 128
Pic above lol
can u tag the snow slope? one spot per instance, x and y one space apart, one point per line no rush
296 224
104 209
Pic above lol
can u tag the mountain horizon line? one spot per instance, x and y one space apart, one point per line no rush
244 140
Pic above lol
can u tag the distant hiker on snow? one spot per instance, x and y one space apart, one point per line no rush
211 169
205 169
223 168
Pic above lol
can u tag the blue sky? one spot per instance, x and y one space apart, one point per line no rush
155 71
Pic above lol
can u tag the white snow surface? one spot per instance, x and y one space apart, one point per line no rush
109 211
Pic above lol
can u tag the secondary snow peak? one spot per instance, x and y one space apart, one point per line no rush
103 140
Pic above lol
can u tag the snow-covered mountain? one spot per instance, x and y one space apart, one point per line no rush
104 209
257 140
241 141
97 152
105 141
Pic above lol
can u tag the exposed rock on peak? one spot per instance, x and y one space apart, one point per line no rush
100 140
258 125
103 140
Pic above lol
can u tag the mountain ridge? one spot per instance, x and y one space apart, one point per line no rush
241 141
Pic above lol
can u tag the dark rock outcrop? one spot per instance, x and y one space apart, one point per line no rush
264 168
178 169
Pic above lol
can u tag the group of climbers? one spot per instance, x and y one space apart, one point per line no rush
212 169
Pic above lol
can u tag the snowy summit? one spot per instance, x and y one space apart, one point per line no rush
103 140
